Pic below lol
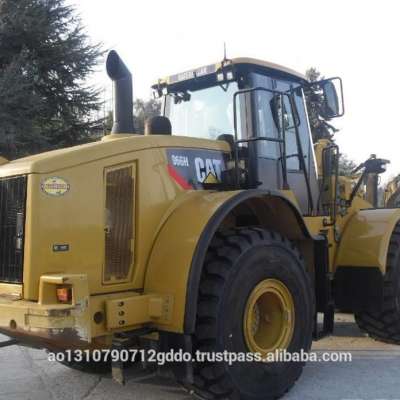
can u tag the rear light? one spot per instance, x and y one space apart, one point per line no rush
64 294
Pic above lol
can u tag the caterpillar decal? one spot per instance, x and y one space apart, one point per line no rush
191 168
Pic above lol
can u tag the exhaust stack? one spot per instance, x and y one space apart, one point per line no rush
122 89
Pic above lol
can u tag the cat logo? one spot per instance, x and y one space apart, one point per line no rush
208 170
195 168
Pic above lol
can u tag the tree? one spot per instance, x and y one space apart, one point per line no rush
142 110
346 165
45 57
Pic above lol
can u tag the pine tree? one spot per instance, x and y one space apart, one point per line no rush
45 58
346 165
143 110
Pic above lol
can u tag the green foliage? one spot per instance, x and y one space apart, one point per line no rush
45 57
143 110
320 127
346 165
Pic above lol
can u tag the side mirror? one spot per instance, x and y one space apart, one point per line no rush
331 101
331 92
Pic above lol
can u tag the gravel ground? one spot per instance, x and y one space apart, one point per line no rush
373 373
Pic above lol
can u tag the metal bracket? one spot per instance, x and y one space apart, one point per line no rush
139 309
117 366
121 341
327 324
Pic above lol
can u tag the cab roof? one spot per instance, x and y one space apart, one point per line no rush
213 68
269 65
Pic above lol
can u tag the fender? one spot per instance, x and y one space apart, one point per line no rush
366 237
177 257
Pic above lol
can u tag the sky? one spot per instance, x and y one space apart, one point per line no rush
356 40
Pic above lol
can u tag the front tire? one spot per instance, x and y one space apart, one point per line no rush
384 325
255 295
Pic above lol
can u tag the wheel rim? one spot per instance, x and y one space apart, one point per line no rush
269 317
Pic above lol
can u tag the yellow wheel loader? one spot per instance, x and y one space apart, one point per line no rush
221 230
391 195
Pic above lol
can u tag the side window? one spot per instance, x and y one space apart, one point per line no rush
266 126
292 148
305 135
268 121
292 160
283 114
292 151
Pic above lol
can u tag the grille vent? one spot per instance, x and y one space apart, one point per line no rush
12 224
119 223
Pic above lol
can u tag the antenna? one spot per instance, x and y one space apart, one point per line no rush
225 52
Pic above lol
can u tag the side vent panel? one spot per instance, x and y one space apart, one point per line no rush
12 225
119 229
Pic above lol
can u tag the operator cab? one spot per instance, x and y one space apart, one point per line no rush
261 106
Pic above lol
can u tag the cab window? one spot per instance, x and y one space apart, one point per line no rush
268 120
265 124
205 113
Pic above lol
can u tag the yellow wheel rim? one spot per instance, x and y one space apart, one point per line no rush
269 317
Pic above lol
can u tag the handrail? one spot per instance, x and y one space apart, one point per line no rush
281 141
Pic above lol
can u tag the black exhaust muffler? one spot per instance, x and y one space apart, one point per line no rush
122 89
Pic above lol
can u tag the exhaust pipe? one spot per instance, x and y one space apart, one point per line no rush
122 89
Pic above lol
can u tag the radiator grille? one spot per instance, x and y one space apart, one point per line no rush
12 222
119 223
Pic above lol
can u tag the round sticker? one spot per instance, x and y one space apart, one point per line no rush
55 186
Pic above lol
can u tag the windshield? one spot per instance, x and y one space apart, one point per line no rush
207 114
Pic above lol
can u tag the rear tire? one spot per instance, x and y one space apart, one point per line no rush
384 325
236 263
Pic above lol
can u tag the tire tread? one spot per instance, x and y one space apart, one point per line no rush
211 381
385 324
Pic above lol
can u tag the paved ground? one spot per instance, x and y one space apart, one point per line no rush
374 373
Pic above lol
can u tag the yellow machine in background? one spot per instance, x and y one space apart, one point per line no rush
391 195
223 228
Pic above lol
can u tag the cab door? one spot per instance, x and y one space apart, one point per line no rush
299 158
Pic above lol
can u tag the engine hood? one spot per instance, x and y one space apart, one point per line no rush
109 146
